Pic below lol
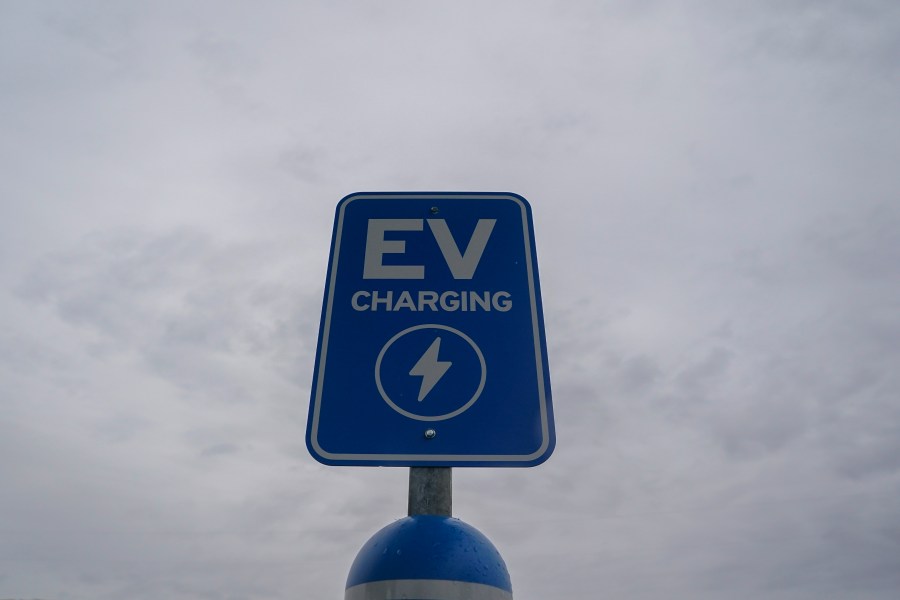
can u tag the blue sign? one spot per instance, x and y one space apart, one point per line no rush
431 346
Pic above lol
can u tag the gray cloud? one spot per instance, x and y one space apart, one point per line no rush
713 189
178 301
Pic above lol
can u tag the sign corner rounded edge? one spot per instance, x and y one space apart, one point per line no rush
350 198
551 446
317 452
517 198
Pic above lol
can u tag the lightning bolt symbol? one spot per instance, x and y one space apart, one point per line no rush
429 368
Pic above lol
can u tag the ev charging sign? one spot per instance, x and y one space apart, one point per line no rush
431 347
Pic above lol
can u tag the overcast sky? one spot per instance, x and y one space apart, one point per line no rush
715 193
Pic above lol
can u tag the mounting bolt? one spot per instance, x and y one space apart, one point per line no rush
434 210
430 434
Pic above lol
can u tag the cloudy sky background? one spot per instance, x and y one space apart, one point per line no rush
715 193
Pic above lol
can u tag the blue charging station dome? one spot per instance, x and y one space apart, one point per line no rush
428 557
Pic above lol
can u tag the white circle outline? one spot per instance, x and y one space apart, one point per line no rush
448 415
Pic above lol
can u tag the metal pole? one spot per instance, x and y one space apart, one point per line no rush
430 491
